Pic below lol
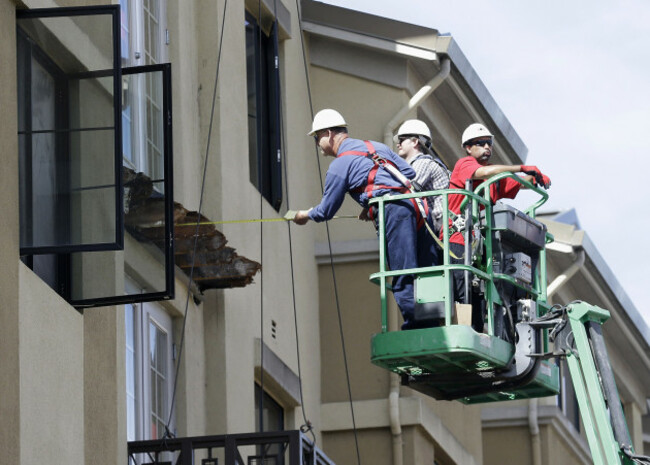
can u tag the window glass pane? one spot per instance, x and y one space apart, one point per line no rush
153 33
77 43
158 377
128 122
142 147
67 131
273 418
149 343
251 86
129 316
125 28
155 136
264 128
148 229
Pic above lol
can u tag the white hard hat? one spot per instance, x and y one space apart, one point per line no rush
413 127
473 131
326 119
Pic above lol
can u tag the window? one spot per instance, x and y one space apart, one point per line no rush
149 370
144 42
264 115
69 130
82 215
273 420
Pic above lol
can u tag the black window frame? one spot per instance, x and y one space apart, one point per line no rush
169 291
61 267
265 157
116 71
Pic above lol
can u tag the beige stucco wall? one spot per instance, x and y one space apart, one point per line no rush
233 317
361 317
518 449
10 434
51 353
374 447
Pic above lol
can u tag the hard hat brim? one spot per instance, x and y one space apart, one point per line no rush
314 131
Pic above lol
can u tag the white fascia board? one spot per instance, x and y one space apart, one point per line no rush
377 43
560 247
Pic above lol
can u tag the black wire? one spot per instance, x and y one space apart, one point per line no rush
198 220
329 244
306 422
260 181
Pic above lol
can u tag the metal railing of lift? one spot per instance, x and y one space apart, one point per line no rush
479 197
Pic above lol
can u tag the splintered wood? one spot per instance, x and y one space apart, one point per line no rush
216 266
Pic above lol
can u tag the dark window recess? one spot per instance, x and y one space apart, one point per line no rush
74 192
273 420
264 115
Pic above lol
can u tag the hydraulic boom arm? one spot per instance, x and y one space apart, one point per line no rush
576 331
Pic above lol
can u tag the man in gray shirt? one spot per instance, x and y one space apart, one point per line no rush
413 141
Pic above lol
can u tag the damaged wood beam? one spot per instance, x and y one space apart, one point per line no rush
216 266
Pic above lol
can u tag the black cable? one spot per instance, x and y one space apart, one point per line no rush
260 182
306 423
198 222
329 244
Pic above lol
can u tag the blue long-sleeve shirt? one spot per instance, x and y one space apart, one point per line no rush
349 172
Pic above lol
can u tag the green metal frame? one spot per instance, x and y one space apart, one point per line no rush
480 197
458 347
444 361
605 450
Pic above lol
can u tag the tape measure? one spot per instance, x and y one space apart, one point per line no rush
289 216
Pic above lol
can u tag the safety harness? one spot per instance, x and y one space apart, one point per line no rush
421 208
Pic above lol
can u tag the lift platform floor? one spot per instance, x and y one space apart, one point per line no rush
443 362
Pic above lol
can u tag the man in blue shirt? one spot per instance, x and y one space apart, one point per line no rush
408 243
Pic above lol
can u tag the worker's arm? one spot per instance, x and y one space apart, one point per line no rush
529 178
533 174
485 172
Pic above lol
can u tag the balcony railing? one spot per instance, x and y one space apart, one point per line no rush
272 448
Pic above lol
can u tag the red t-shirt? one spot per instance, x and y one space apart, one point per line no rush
465 168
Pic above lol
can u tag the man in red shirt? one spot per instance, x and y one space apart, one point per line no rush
477 142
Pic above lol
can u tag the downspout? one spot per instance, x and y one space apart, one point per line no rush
533 420
533 425
393 396
416 100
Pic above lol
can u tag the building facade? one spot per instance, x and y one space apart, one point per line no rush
110 335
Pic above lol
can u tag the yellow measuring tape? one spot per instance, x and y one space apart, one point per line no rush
288 217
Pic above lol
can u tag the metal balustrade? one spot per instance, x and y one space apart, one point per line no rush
270 448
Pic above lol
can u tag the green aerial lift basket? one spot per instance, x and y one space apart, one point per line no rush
453 361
